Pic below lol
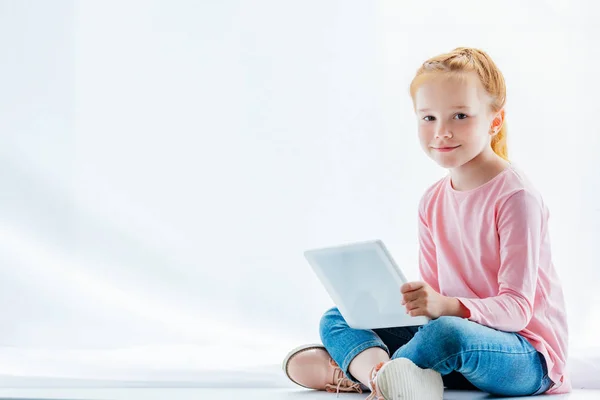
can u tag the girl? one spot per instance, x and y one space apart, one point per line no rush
489 286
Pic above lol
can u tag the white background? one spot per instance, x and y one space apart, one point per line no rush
164 164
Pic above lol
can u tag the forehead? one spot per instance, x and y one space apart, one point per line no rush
445 92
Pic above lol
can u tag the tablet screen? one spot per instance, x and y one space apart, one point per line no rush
363 282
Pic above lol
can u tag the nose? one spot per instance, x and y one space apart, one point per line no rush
443 132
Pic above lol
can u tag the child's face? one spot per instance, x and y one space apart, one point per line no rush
443 125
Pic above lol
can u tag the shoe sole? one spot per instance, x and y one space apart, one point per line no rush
292 353
403 379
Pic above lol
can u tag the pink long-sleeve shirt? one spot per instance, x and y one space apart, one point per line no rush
489 247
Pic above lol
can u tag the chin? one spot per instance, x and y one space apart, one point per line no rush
448 162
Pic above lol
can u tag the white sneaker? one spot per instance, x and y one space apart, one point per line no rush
402 379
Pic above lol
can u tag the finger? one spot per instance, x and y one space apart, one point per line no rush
411 286
413 305
417 312
411 296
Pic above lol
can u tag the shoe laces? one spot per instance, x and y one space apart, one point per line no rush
340 382
375 394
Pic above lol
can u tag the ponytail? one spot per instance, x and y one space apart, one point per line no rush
499 143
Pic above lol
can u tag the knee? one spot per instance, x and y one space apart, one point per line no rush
447 323
329 320
448 334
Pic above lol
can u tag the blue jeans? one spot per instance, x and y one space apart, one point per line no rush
468 355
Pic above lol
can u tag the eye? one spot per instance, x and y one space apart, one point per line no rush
465 116
428 116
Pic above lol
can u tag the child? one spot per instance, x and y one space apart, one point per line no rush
489 286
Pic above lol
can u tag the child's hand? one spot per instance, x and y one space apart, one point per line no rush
421 299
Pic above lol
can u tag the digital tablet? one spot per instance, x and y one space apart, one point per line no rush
364 282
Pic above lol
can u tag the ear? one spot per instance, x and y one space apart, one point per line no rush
497 122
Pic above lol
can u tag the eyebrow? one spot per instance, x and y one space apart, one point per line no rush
454 108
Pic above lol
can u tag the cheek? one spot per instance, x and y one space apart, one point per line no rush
469 127
425 135
467 133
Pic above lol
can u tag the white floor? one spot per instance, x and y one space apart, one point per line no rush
230 394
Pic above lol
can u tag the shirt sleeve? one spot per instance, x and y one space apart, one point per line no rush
520 226
428 270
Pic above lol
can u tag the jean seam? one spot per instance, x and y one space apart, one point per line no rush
491 351
473 350
541 386
546 378
356 351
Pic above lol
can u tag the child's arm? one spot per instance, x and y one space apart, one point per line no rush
428 269
455 308
520 224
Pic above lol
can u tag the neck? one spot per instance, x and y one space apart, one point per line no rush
478 171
